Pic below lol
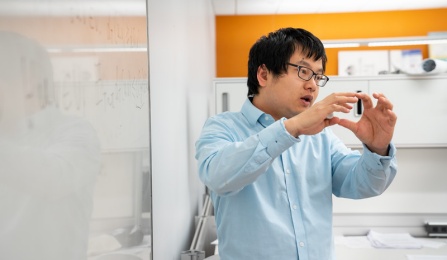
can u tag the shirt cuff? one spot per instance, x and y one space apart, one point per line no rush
379 160
276 138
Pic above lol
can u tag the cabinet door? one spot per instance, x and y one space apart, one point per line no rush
344 85
421 108
230 95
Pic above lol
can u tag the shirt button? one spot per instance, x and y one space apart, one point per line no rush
301 244
294 206
266 118
288 171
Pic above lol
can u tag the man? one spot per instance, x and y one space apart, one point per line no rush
49 161
272 167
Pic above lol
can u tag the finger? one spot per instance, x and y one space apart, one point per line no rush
366 99
378 95
331 121
392 117
383 103
344 94
352 126
344 108
336 102
344 101
342 97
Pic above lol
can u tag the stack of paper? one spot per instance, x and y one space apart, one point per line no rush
353 241
393 240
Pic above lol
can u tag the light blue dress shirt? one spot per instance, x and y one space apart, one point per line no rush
272 192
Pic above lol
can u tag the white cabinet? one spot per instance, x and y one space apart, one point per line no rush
420 103
229 94
421 108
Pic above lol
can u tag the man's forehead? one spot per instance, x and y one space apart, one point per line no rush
317 65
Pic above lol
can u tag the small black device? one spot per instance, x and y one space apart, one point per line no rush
436 229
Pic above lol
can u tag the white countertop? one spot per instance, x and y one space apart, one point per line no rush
347 253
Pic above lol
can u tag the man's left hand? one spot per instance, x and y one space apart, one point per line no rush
376 126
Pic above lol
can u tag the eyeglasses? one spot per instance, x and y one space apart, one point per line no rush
306 74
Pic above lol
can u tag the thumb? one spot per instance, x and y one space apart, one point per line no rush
351 125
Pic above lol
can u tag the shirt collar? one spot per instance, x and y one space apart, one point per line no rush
253 114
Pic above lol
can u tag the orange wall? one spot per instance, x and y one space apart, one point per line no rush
236 34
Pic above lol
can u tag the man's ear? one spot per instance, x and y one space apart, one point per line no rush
262 75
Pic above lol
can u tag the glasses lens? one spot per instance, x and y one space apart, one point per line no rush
305 73
321 80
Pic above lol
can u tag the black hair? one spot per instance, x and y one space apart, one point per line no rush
275 50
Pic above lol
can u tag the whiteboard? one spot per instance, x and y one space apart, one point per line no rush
118 110
59 188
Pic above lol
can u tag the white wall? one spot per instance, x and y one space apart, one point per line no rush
182 66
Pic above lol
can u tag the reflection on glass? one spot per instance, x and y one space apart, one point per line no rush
74 131
48 161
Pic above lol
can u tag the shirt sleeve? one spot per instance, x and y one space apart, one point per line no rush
365 175
229 160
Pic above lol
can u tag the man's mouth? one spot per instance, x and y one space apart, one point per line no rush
307 99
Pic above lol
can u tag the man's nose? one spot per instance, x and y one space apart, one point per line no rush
311 84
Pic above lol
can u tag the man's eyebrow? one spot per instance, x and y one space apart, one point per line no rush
305 63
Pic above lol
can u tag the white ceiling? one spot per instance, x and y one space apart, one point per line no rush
221 7
253 7
73 7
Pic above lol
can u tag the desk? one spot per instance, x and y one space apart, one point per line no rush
346 253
